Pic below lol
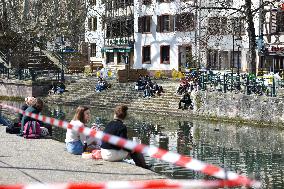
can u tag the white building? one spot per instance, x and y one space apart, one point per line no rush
109 32
173 34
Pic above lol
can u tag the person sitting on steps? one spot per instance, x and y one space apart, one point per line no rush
186 101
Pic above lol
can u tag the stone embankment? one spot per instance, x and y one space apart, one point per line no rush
207 105
26 161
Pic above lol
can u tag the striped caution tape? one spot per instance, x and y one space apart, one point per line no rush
152 151
149 184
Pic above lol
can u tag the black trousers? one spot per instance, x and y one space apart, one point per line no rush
139 160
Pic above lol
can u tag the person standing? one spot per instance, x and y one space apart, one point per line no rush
116 127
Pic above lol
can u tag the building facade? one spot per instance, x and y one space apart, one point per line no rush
178 34
271 43
110 33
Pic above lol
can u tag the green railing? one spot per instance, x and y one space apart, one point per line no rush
238 83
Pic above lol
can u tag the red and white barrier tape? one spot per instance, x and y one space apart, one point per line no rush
150 184
151 151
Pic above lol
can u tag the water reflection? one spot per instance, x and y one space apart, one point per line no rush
256 152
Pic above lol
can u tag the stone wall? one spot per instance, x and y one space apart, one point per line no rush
23 90
240 107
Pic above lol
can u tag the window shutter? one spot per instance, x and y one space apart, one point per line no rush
158 23
140 22
171 29
273 23
90 24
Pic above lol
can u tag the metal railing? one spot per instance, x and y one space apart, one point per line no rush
238 83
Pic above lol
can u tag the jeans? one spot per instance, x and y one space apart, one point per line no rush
75 148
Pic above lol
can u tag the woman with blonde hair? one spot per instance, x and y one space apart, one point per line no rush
74 140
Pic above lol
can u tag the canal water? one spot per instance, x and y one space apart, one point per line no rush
253 151
257 152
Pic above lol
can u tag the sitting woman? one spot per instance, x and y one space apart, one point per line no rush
116 127
35 106
75 142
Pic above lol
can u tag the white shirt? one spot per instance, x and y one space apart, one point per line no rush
73 136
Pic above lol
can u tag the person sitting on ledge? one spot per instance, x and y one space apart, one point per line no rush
76 143
116 127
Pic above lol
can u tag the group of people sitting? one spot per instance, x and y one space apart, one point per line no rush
102 85
77 143
149 88
27 126
57 88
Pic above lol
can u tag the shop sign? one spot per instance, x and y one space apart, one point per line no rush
277 48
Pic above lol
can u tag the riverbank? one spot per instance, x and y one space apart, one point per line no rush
46 161
208 105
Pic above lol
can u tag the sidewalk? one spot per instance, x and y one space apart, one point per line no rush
46 161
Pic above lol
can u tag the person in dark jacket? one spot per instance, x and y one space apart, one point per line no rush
116 127
186 101
36 108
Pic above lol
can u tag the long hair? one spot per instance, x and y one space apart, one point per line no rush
79 115
38 104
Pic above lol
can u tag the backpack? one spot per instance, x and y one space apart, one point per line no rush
32 130
13 128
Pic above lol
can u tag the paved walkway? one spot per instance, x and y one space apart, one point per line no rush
46 161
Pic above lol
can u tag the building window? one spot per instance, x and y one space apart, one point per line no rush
93 50
237 26
119 27
165 54
217 26
184 22
144 24
146 55
92 2
147 2
109 57
92 23
165 23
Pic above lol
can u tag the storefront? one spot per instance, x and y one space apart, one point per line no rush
118 55
273 59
